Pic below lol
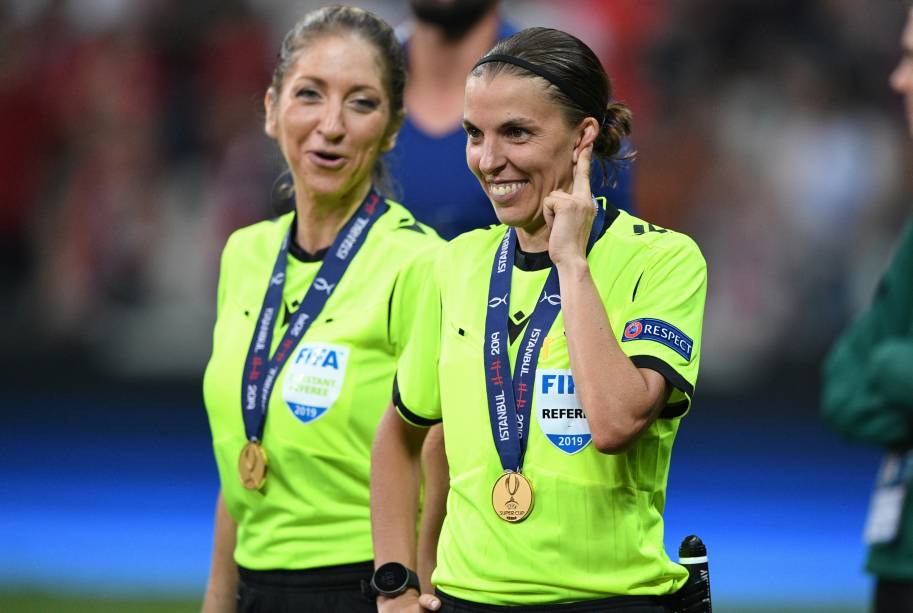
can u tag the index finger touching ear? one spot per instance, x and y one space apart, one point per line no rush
582 172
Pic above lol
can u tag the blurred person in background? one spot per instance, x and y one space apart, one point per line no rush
305 342
868 396
442 44
527 513
783 165
112 85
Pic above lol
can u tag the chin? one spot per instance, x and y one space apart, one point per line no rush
510 216
517 214
328 187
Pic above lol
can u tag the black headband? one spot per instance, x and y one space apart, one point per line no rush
554 79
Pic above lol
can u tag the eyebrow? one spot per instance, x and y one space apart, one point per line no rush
521 122
516 122
322 83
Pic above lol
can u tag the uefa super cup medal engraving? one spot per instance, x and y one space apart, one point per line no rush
512 497
252 466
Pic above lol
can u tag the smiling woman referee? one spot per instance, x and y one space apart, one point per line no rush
313 310
562 352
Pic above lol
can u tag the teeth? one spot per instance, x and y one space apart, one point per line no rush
503 189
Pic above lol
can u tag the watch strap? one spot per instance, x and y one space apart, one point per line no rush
370 589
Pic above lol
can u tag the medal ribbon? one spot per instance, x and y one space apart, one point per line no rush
510 397
260 370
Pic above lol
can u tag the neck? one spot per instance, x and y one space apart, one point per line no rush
320 218
435 60
533 238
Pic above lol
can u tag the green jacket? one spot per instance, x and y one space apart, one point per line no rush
868 390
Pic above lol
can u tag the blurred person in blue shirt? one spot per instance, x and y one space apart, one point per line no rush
442 44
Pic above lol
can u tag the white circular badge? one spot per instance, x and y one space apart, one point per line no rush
559 413
314 379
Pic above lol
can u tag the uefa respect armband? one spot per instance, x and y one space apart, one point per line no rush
657 330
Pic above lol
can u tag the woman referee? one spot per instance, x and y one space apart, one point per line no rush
566 345
313 309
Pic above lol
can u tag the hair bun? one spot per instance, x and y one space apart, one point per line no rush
615 128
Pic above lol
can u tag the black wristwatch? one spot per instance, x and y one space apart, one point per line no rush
392 579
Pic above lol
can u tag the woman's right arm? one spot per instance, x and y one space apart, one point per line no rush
395 477
222 587
436 479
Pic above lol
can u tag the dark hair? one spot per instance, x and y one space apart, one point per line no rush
573 64
337 20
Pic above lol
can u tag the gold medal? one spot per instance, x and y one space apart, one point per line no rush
512 497
252 466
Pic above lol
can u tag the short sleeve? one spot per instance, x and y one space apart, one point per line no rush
224 267
416 393
662 329
404 299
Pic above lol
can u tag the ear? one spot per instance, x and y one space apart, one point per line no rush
270 125
587 132
392 131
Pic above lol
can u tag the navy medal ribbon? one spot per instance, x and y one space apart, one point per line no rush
260 370
510 397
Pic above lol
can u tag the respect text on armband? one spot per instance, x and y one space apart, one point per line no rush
657 330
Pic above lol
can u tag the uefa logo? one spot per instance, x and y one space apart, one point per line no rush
634 329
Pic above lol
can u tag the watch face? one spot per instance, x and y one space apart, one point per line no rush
391 577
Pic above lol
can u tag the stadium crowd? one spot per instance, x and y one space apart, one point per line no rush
132 148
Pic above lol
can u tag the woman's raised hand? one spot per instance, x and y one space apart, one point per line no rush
570 215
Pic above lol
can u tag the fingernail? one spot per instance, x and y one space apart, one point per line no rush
435 604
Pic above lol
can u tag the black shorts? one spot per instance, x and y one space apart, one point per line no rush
893 596
622 604
330 589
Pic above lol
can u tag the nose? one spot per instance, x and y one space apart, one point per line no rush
332 124
491 158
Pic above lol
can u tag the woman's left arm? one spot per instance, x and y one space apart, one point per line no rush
620 400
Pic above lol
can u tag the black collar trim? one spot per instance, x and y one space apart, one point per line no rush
539 260
299 253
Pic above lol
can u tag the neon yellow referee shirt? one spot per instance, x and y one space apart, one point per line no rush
328 399
596 528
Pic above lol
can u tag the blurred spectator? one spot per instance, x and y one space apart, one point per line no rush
793 160
132 147
868 397
31 133
103 222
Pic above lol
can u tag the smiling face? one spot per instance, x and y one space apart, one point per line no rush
902 77
332 117
518 145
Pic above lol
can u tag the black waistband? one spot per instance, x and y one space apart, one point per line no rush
619 603
348 576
